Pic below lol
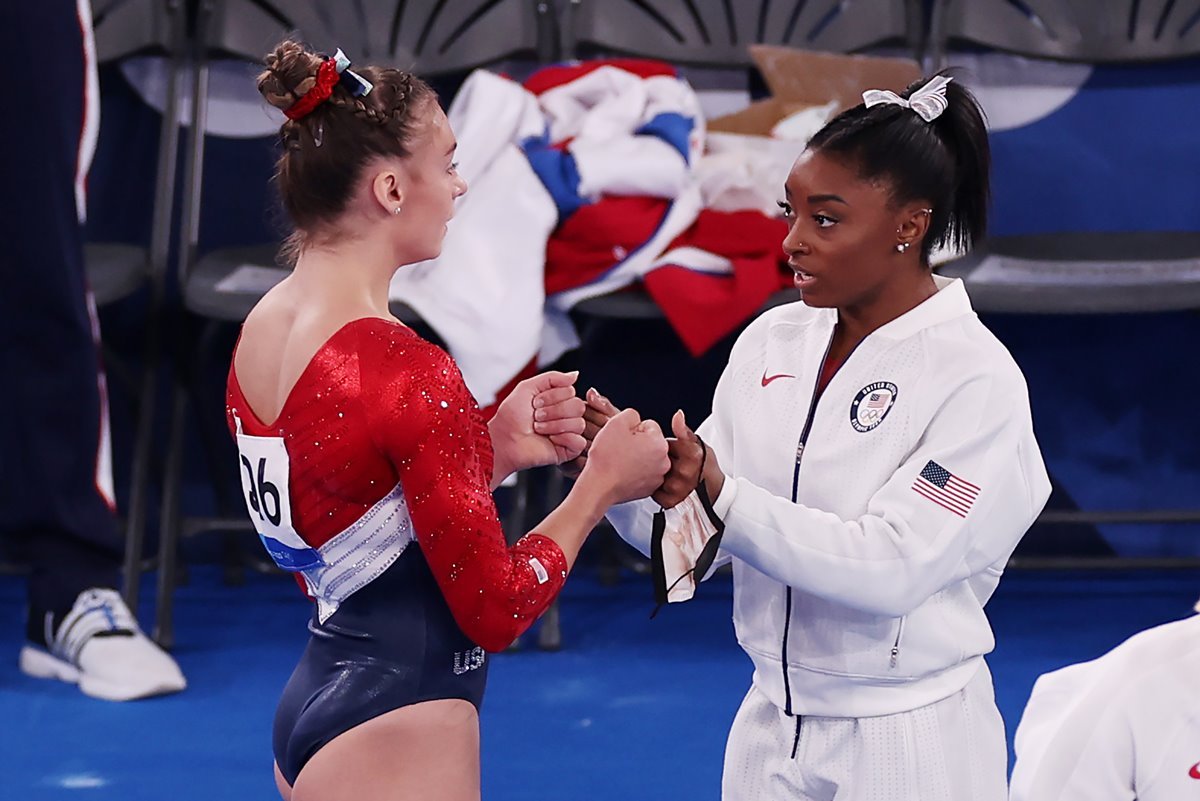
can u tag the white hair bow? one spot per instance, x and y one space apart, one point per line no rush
928 102
355 84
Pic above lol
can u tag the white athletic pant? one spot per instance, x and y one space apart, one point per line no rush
952 750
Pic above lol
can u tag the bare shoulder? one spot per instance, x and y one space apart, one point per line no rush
279 339
265 333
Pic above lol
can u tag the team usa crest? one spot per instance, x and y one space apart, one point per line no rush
871 405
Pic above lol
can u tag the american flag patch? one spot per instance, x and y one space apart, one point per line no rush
945 489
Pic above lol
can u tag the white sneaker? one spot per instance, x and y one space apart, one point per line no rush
100 647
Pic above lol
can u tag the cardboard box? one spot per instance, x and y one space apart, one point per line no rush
800 79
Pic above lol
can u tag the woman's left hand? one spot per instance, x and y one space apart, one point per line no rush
539 423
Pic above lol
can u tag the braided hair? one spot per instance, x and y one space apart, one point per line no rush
945 162
323 153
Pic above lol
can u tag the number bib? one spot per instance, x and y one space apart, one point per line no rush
265 470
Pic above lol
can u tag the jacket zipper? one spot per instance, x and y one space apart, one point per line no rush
896 645
787 613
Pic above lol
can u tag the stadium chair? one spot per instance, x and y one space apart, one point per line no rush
1077 272
123 29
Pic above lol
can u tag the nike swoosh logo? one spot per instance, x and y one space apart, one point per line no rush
768 379
1195 771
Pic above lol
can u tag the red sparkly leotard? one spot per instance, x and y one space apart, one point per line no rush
385 445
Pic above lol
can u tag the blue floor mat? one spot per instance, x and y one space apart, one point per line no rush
630 709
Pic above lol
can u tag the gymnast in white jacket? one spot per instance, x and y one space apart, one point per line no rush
871 465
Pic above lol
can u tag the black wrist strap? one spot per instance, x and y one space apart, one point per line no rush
709 554
704 561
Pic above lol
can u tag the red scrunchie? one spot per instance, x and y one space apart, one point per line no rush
327 78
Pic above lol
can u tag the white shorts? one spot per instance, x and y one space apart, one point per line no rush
951 750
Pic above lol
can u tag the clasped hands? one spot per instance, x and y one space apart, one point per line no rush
543 422
688 455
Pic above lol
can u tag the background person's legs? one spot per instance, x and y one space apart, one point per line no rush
57 483
56 496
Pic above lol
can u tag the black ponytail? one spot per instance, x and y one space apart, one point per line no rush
946 162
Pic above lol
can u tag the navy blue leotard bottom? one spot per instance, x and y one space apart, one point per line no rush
391 644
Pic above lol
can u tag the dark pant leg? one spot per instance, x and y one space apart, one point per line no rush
52 406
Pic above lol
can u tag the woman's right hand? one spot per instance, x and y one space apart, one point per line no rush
628 458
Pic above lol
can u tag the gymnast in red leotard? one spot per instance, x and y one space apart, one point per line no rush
367 467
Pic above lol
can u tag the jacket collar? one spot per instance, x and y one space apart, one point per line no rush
949 302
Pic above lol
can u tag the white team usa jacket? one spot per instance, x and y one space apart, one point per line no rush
868 529
1123 726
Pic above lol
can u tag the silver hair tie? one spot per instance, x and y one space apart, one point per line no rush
928 102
